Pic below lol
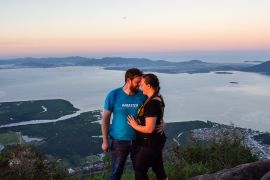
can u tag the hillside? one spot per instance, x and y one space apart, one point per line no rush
119 63
72 139
260 68
75 141
14 112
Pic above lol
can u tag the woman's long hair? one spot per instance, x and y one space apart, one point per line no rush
153 81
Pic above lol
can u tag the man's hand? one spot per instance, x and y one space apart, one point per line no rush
105 123
160 128
105 147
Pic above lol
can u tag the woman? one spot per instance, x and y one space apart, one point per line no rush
149 143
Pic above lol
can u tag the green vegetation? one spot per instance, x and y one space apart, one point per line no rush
207 157
8 138
173 129
198 157
76 141
70 140
14 112
127 175
26 163
183 128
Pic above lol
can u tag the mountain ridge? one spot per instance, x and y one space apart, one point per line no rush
262 68
120 63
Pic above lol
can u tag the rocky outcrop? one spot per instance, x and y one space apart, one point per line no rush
259 170
266 176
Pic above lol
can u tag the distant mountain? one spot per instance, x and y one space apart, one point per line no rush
261 68
119 63
254 61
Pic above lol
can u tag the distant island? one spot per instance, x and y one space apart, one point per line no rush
223 72
254 61
263 68
119 63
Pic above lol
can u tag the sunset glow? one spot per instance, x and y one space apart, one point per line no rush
36 27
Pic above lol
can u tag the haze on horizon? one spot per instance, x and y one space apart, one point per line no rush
80 27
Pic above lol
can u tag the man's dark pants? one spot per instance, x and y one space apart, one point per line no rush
120 150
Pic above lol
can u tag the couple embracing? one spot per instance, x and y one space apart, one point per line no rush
136 127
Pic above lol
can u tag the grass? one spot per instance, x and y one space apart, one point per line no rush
8 138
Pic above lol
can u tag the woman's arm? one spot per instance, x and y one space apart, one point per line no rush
150 124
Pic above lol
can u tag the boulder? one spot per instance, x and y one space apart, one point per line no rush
250 171
266 176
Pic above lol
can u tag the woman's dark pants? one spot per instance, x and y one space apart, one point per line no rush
146 157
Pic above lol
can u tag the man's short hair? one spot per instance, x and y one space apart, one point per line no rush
133 73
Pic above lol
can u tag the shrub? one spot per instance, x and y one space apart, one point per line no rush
207 157
199 157
26 163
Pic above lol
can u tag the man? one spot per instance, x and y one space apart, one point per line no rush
121 102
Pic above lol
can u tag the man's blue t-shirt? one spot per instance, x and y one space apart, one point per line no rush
121 105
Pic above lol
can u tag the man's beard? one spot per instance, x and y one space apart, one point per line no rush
134 89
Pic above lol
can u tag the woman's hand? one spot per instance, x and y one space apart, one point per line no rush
131 121
150 123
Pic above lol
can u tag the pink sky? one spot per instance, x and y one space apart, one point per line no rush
36 27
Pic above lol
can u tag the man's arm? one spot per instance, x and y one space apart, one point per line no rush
160 128
105 124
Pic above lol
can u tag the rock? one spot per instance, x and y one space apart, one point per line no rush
250 171
266 176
